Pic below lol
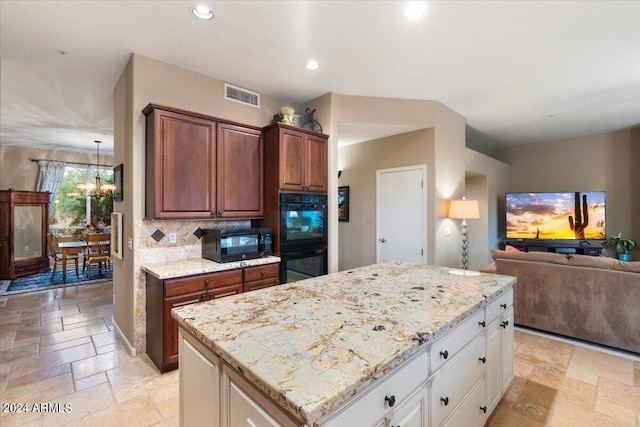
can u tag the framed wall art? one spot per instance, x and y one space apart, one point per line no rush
117 182
116 235
343 203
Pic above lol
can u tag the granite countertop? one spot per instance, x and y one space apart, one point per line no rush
189 267
311 345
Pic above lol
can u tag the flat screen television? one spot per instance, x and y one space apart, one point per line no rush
566 215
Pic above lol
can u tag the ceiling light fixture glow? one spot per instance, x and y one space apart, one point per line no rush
415 9
202 12
312 65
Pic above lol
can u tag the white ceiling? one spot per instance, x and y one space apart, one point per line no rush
518 71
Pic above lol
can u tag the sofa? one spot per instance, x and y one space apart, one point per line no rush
590 298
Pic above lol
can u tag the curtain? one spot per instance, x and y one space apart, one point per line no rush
50 178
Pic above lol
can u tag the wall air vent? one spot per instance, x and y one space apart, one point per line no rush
243 96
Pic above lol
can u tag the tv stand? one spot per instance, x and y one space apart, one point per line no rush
580 247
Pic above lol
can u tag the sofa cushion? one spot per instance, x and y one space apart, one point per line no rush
588 303
489 268
603 262
549 257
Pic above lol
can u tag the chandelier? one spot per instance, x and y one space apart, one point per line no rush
96 189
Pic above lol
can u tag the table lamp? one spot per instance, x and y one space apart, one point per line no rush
464 209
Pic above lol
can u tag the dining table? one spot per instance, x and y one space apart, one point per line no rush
67 248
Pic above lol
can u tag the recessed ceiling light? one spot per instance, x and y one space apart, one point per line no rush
312 65
202 12
415 9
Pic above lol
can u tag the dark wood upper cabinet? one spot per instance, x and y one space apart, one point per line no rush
240 172
199 167
292 164
297 157
316 167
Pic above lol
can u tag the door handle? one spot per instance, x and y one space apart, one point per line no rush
382 240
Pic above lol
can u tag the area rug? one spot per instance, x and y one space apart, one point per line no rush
42 281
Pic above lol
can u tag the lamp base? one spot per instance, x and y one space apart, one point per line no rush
458 272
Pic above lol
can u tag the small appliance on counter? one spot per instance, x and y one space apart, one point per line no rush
229 245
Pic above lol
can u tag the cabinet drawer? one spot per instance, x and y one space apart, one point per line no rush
452 342
260 272
498 306
470 413
455 379
372 406
186 285
175 287
260 284
224 291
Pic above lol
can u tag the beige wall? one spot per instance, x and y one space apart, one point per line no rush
487 179
359 163
145 81
607 162
447 173
20 173
123 284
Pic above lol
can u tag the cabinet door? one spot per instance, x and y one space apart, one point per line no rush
171 344
316 164
5 223
506 343
494 365
471 412
413 413
240 172
292 159
199 387
4 258
181 155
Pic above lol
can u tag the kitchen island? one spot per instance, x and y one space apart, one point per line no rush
377 345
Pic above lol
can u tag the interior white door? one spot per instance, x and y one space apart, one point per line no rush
401 200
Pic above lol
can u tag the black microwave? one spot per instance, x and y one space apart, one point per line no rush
231 245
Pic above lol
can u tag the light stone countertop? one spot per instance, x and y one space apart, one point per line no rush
189 267
311 345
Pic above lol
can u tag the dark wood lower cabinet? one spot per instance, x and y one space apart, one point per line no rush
260 276
165 295
170 350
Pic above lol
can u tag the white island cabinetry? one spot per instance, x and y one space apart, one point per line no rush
382 346
199 384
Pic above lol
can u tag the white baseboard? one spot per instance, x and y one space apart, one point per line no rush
592 346
123 338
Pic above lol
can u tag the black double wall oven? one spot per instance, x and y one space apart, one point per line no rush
303 236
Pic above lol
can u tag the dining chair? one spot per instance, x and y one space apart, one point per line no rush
98 251
56 254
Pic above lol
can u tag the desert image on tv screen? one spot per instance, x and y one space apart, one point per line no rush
556 215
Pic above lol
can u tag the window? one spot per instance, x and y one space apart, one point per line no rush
71 208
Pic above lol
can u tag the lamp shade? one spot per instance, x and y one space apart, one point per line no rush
464 209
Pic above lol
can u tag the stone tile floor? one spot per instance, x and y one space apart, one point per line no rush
59 348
